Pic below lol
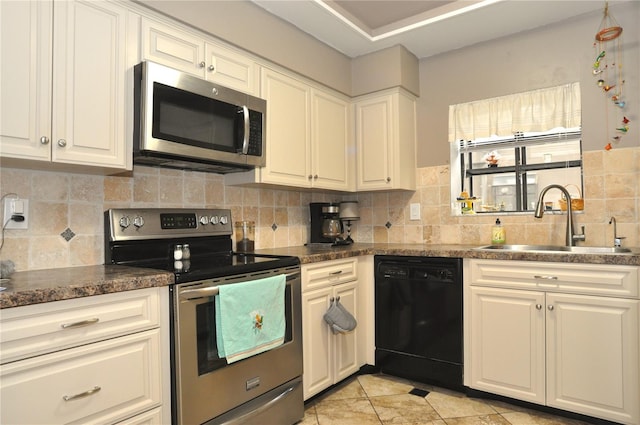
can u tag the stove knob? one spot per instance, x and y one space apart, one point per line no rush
138 222
224 219
125 222
214 219
204 220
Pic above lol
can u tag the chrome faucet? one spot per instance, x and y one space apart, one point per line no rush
617 240
570 236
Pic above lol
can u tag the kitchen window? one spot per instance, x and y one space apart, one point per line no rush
506 174
496 169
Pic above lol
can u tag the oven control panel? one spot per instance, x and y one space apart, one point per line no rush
158 223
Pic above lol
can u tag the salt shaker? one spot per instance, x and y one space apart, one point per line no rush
177 252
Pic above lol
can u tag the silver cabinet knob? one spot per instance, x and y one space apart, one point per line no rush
202 64
388 179
211 68
315 177
309 176
62 143
44 140
550 307
538 306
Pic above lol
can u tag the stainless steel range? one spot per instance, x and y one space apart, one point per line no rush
206 389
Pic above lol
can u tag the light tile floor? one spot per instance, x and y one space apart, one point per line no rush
385 400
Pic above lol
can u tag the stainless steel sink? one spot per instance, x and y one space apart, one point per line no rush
557 248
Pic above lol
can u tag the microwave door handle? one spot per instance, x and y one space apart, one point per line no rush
245 140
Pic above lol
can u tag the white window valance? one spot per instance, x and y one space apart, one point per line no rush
532 111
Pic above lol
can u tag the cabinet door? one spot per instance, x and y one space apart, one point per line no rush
231 69
89 84
507 343
593 360
318 342
373 135
288 130
331 159
172 47
346 347
25 79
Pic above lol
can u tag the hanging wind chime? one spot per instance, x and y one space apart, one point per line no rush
607 68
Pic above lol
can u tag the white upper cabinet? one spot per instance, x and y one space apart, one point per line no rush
192 53
288 125
63 84
25 79
332 156
386 140
309 142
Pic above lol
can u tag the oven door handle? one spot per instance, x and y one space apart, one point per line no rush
243 418
192 294
210 291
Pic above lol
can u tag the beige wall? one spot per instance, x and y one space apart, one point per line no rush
59 201
545 57
251 28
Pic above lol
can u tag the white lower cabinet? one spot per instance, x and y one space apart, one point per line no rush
116 373
539 339
328 357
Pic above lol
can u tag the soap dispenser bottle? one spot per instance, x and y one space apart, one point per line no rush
498 234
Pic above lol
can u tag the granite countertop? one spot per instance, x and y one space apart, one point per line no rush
40 286
312 254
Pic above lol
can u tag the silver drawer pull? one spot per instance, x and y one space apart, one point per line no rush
546 277
80 323
82 395
337 272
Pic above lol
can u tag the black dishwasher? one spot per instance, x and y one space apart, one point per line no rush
418 311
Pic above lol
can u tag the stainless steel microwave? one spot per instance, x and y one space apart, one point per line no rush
185 122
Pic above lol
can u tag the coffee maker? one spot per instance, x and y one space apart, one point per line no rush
326 226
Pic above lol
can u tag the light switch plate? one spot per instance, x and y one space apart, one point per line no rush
9 210
414 212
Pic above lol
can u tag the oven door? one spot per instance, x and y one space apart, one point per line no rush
206 387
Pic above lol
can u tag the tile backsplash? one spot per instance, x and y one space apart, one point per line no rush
66 210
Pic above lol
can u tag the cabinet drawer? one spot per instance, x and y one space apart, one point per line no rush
111 380
596 279
43 328
152 417
326 273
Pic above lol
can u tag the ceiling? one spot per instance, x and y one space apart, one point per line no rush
424 27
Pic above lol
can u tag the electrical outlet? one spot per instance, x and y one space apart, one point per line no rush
16 207
414 212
